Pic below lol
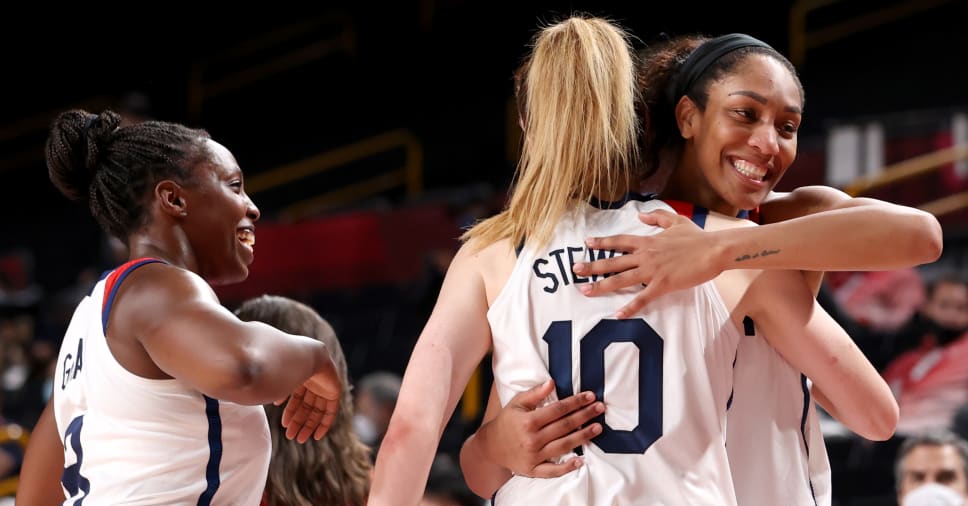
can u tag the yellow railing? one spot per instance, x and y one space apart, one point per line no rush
410 176
909 168
946 205
203 85
913 167
15 434
802 39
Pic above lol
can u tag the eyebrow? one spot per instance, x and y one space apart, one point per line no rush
761 99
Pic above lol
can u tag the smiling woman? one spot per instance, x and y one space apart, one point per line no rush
721 120
225 223
733 119
161 387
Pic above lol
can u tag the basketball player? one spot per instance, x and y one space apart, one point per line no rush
728 125
665 375
158 388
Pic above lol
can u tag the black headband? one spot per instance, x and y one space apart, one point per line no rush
91 118
707 54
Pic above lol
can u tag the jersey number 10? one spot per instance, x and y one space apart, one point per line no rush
592 375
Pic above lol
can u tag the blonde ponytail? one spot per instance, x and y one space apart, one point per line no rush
577 93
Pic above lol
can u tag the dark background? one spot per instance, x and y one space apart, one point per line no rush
441 69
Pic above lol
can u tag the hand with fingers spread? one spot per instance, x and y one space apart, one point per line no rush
681 256
524 438
313 406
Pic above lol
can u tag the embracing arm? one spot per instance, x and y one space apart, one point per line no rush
190 336
818 228
812 229
483 477
176 317
521 437
43 463
452 344
782 305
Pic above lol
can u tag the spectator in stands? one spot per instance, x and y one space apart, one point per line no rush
446 485
13 442
932 469
945 311
376 397
24 365
878 300
942 313
931 381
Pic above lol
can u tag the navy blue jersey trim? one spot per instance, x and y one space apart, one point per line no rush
604 204
214 451
748 327
699 215
114 291
803 429
104 274
729 402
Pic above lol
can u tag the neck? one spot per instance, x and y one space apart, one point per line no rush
688 184
168 244
612 196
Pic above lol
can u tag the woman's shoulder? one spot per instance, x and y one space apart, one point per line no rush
159 289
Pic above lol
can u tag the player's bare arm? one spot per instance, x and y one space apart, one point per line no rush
39 482
813 228
782 305
450 346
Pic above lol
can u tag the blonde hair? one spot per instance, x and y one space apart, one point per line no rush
577 99
335 470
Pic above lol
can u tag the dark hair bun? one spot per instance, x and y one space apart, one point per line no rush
73 149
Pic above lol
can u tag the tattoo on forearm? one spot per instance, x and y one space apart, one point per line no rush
750 256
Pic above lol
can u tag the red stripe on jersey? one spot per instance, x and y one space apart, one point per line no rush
682 208
113 278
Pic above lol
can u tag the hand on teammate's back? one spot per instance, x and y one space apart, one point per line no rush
524 438
681 256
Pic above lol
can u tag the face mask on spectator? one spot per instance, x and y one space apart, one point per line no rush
943 335
365 429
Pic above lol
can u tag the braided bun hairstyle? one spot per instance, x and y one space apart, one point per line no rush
91 159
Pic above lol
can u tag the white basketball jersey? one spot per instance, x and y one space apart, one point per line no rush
776 449
773 438
665 375
135 441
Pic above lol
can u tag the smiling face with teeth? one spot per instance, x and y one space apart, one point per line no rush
739 146
220 218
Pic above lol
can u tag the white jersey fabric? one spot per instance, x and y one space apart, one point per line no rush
665 375
776 449
135 441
